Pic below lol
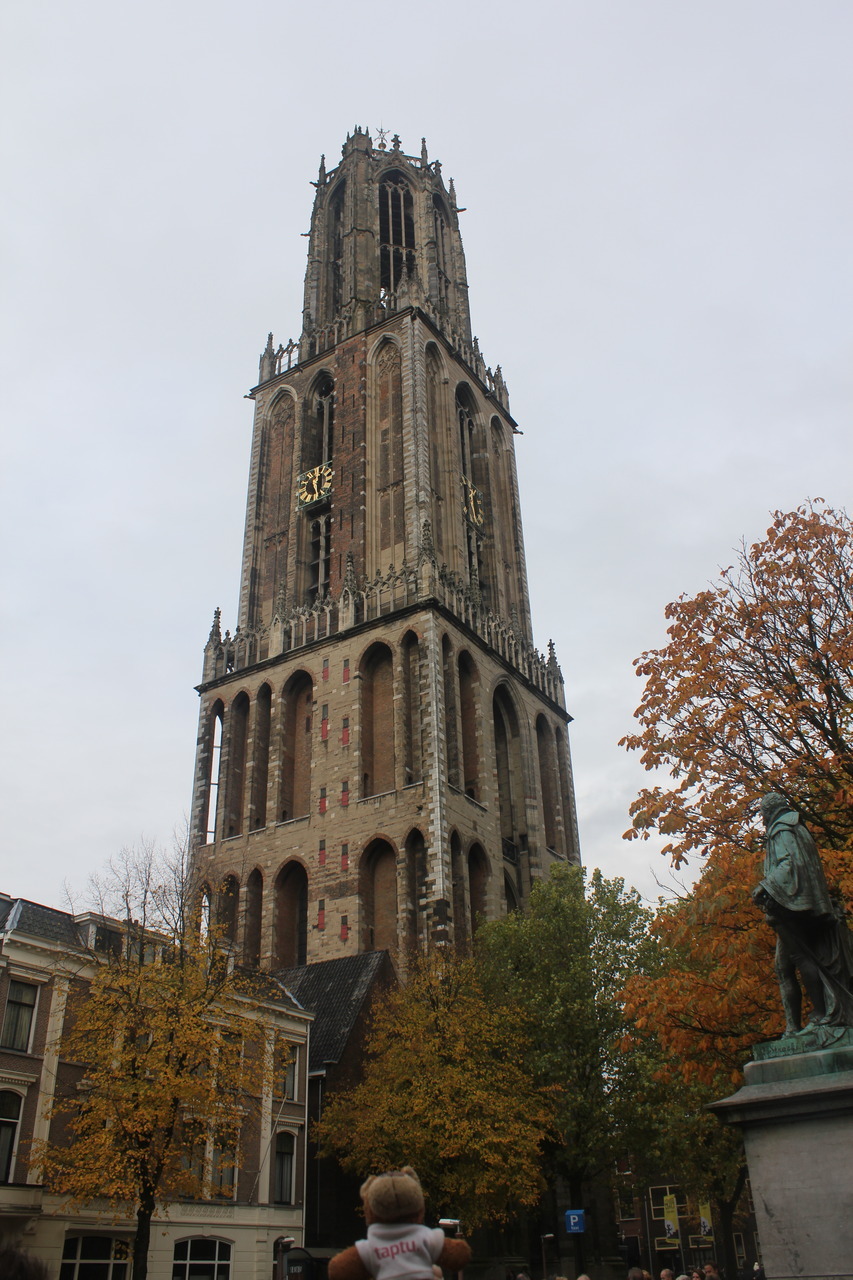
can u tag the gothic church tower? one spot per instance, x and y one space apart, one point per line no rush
382 753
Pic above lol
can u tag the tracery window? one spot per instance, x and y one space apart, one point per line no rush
396 231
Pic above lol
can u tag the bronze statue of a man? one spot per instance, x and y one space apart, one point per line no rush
812 938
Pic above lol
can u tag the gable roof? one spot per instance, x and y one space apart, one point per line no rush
336 992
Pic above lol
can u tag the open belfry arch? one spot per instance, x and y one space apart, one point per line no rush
382 756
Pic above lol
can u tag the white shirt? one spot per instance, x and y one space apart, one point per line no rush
400 1250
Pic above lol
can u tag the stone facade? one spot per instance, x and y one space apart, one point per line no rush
382 752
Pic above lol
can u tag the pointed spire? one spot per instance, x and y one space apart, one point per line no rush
215 636
321 176
451 191
424 155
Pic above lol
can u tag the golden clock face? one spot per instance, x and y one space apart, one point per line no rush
314 485
473 499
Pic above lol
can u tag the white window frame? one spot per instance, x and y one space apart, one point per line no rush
294 1134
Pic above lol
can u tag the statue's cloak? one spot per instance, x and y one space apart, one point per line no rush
793 875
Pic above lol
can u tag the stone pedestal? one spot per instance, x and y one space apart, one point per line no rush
796 1114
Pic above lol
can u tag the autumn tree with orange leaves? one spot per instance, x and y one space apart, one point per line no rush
446 1087
753 692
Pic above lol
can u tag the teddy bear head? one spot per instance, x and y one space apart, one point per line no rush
393 1197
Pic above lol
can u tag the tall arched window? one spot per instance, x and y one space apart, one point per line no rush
336 244
260 772
378 884
254 915
318 437
297 710
441 221
468 686
228 901
285 1148
474 486
461 922
396 230
547 779
503 522
291 916
510 776
377 721
436 430
238 738
415 885
413 747
451 737
275 500
10 1115
478 875
214 738
388 461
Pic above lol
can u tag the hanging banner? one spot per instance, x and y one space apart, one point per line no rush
706 1226
670 1218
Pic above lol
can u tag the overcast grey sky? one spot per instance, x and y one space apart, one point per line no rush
658 237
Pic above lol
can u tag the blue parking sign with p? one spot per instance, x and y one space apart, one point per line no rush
574 1220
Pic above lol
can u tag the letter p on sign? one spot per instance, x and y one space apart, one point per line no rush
574 1221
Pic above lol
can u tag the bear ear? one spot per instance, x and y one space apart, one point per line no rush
365 1187
409 1171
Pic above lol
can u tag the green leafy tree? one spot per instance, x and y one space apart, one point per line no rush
446 1089
566 959
162 1031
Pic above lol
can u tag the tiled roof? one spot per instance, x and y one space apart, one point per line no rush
335 991
37 921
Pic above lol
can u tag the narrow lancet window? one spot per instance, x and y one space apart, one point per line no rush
396 231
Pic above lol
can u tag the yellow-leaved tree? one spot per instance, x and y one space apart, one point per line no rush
446 1088
167 1048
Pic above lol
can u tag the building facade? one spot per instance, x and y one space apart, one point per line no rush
44 956
382 752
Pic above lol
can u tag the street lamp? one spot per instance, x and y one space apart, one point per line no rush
280 1249
542 1240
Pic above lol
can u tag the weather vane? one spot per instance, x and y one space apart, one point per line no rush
382 134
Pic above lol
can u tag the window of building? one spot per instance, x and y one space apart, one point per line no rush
222 1174
656 1196
10 1114
285 1145
289 1084
18 1019
201 1258
94 1258
396 230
